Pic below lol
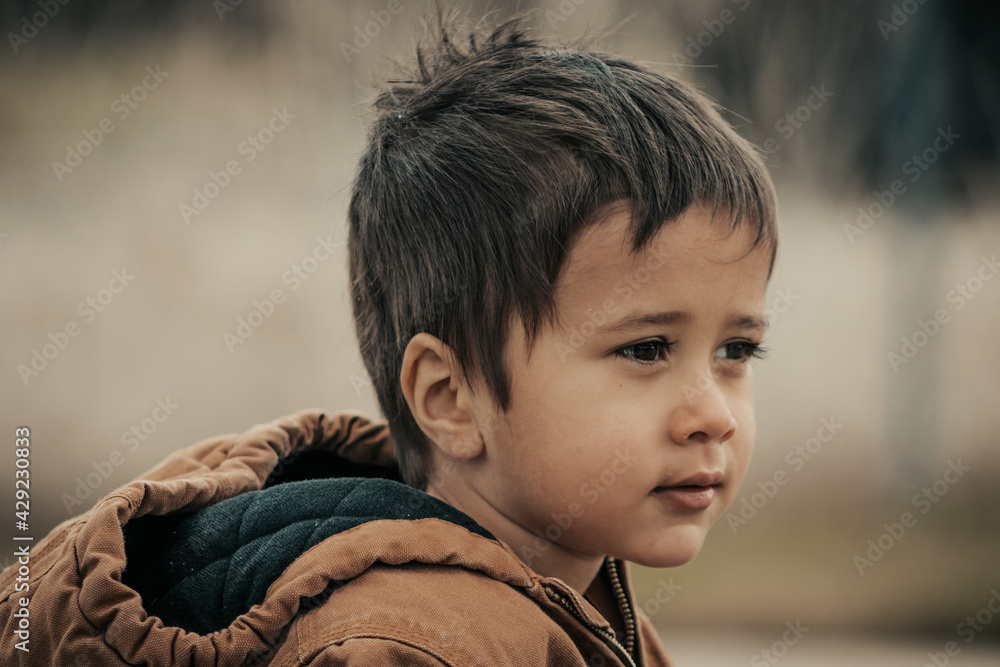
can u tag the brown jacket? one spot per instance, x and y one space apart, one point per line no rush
408 581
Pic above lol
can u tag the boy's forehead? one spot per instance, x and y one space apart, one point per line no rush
606 245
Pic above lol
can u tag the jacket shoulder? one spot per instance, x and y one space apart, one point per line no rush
365 651
447 613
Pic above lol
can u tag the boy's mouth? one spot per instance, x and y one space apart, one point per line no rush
692 493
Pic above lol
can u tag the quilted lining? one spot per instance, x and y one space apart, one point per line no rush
200 571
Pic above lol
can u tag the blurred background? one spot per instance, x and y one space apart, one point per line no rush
128 255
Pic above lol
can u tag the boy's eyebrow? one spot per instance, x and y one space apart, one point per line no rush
675 317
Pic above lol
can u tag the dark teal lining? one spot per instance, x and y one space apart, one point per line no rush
199 571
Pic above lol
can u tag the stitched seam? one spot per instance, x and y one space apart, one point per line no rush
229 567
415 640
363 525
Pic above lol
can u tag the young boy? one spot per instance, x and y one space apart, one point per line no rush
558 261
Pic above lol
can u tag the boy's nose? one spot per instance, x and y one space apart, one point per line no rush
703 415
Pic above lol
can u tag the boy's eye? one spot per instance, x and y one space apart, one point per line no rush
646 352
740 350
651 351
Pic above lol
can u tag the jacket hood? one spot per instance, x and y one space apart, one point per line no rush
207 558
200 571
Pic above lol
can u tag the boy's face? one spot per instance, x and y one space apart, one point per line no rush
614 444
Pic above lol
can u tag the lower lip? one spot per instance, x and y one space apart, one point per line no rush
687 497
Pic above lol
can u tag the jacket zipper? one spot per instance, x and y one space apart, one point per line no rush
624 606
606 636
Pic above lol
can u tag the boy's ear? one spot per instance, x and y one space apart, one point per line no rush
441 403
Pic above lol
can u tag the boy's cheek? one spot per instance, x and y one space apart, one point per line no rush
742 453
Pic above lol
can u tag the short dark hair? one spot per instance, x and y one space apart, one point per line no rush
484 161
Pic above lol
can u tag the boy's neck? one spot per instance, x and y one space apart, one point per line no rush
580 571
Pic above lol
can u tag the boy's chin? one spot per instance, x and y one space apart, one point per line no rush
673 548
